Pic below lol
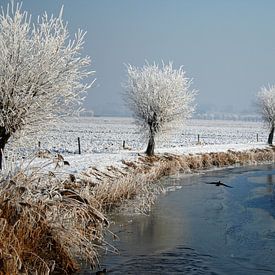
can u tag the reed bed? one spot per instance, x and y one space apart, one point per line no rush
168 164
137 187
45 227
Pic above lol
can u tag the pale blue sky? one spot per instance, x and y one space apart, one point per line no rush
226 46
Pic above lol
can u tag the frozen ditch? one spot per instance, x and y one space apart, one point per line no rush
202 228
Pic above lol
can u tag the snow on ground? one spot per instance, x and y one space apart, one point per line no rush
102 138
104 134
102 160
198 149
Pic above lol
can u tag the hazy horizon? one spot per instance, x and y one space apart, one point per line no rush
227 47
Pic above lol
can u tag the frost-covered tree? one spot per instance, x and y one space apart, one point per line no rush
266 103
41 72
159 97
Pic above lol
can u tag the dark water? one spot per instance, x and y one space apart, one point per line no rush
202 228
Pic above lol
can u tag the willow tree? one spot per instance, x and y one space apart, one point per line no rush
159 97
41 72
266 104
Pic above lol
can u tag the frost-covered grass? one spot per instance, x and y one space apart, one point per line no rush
106 135
47 225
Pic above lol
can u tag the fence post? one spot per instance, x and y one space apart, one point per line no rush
198 138
79 149
257 137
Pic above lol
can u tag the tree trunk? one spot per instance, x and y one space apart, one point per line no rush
150 151
4 137
1 157
270 137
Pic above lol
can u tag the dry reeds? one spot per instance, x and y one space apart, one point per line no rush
113 194
45 228
154 168
193 162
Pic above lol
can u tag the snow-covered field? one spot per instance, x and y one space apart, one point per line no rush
102 139
102 135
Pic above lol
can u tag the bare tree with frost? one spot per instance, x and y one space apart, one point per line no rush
41 72
266 103
159 98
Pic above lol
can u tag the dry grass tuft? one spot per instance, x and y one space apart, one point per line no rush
46 228
113 194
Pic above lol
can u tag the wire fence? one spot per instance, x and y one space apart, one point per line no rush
80 145
110 135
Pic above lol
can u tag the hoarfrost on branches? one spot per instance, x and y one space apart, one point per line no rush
159 97
266 103
41 72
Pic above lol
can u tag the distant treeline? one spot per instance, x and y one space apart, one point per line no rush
227 116
206 116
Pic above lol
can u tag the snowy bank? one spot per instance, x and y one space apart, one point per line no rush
103 160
